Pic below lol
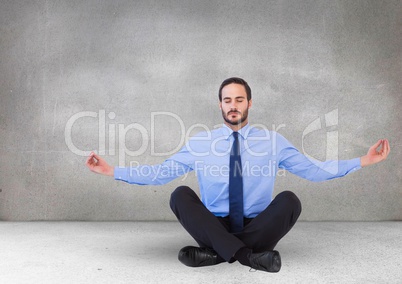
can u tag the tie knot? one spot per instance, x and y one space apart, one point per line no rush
235 134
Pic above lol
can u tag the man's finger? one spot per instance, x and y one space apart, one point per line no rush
375 146
387 145
96 156
384 147
89 160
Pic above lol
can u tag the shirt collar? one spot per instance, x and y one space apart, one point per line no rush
227 131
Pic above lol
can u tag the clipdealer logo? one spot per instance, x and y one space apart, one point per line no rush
332 139
109 132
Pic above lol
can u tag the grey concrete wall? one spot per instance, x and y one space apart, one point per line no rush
78 76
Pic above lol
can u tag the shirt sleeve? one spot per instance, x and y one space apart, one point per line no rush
151 174
172 168
295 162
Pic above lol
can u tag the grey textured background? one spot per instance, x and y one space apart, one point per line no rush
302 60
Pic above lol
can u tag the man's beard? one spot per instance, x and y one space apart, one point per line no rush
238 121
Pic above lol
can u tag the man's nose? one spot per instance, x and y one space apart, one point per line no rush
233 105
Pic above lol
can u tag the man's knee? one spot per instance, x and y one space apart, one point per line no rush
292 200
179 194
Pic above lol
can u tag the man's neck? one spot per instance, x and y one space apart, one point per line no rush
236 127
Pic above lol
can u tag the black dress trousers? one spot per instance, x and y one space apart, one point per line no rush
261 233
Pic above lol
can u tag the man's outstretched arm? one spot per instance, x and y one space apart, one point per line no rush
297 163
140 174
98 165
373 155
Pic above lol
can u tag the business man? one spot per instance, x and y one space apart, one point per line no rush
236 165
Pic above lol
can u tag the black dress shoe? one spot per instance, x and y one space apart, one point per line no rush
197 257
269 261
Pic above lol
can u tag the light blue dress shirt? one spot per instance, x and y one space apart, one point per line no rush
262 153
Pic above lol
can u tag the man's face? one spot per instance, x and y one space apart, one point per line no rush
234 105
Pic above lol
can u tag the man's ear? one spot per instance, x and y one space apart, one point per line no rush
220 105
250 102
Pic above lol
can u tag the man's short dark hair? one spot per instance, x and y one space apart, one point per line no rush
235 80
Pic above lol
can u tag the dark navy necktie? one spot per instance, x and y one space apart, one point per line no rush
235 188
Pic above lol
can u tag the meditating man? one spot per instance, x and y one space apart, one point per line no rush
236 164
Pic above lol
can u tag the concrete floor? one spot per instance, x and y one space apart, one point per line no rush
146 252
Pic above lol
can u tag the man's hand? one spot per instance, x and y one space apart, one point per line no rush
98 165
373 155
